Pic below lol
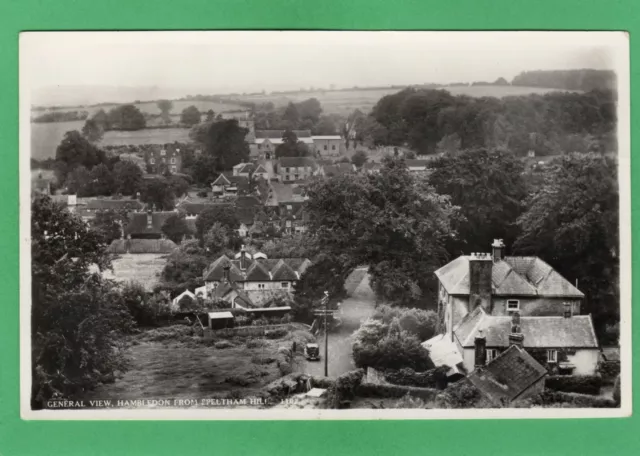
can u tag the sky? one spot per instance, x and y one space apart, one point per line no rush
60 66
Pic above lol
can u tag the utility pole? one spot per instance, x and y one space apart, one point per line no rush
326 334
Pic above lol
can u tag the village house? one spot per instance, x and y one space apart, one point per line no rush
266 141
416 166
252 280
68 201
226 184
512 375
371 167
494 293
327 146
146 225
159 159
295 169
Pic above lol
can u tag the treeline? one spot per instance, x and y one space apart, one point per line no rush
433 121
585 79
60 116
305 115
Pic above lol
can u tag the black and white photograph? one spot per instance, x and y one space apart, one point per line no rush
324 225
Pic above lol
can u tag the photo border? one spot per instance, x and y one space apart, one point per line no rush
19 437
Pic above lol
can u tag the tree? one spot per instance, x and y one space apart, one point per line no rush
165 107
158 193
572 222
127 178
78 320
223 142
225 215
489 189
211 115
175 228
309 111
216 239
394 223
178 185
102 183
101 120
291 116
126 117
185 265
325 126
79 182
190 116
75 150
359 158
109 224
290 146
92 131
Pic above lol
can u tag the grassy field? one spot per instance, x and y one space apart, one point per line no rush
344 102
151 107
172 363
142 268
45 137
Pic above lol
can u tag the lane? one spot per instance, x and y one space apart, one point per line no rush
355 309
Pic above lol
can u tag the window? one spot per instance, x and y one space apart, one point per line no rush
325 147
285 284
552 356
163 152
492 353
173 160
333 147
174 169
152 161
297 177
261 286
513 305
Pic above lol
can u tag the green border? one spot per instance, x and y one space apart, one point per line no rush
562 437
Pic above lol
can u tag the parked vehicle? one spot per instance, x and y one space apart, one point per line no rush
312 352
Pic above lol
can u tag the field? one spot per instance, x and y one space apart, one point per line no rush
152 108
143 268
344 102
45 137
172 363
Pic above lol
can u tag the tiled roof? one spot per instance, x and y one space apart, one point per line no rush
507 376
245 168
539 332
275 269
511 276
296 162
121 246
113 204
138 223
227 178
260 169
444 352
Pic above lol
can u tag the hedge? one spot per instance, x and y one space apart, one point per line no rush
397 391
548 398
582 384
434 378
343 391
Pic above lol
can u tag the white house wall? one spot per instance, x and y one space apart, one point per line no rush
585 361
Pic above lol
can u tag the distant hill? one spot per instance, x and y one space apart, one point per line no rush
584 79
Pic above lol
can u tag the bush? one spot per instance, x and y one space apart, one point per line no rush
255 343
609 370
395 391
571 400
344 390
223 344
285 367
582 384
434 378
420 323
277 333
461 394
262 360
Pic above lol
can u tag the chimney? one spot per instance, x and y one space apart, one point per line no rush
568 310
480 350
226 273
243 258
516 337
149 218
480 268
498 250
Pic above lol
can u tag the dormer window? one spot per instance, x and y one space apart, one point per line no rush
163 152
173 160
513 305
152 161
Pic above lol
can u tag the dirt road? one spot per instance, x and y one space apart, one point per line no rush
355 309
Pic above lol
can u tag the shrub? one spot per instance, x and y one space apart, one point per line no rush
582 384
609 370
275 333
238 380
223 344
262 359
461 394
285 367
255 343
434 378
344 389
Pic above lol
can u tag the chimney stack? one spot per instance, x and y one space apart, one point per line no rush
243 258
226 273
480 269
516 337
480 350
568 310
150 218
498 250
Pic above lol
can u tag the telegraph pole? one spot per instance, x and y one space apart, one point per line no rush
326 335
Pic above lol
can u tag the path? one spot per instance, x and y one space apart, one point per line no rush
355 309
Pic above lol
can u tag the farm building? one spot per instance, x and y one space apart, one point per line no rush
220 320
